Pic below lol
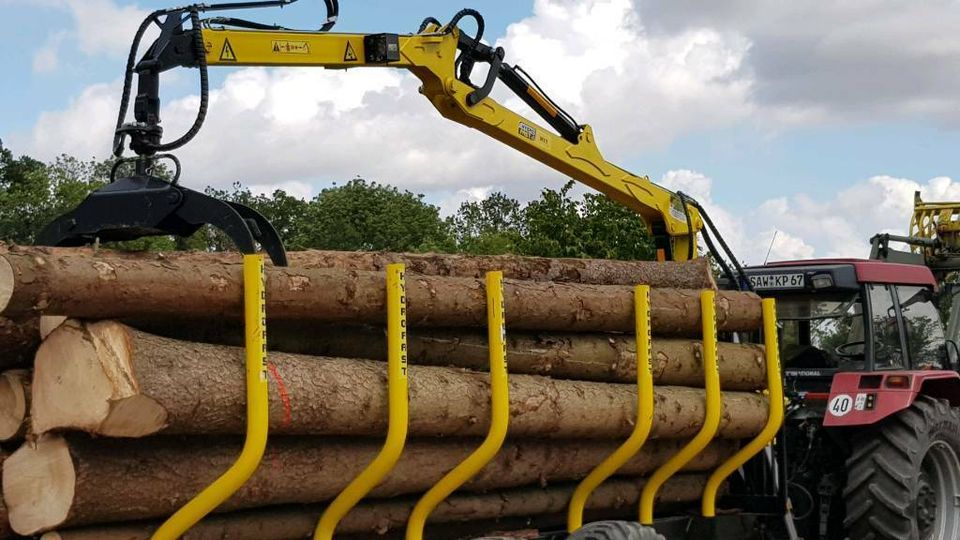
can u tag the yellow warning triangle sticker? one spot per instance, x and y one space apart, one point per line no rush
226 53
349 55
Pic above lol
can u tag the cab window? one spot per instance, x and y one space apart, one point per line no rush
821 330
926 345
887 349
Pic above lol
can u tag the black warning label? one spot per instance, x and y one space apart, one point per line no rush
348 54
226 53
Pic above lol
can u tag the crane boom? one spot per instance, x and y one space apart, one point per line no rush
430 56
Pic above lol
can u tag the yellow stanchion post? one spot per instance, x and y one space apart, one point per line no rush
254 302
711 421
641 429
774 418
499 415
398 410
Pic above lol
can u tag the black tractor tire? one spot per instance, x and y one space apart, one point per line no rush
615 530
903 477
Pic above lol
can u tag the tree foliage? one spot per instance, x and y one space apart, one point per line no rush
357 215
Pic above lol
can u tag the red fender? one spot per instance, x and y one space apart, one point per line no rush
862 398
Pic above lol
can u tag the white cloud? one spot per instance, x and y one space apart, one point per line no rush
639 91
836 62
102 26
300 190
84 129
801 226
99 27
46 59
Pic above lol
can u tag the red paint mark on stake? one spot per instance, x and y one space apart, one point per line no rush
284 396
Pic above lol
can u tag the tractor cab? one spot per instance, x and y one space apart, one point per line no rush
851 315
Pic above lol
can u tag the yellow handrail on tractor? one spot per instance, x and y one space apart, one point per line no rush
258 409
774 418
711 420
499 415
641 429
398 409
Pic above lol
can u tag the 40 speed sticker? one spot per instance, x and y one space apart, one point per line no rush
840 405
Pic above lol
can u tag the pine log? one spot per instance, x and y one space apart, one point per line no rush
109 379
5 530
382 516
49 323
695 274
38 280
62 482
605 357
14 403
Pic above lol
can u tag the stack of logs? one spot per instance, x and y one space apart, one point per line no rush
136 400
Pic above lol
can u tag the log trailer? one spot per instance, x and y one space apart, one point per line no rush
894 426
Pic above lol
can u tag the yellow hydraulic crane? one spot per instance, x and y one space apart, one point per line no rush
442 56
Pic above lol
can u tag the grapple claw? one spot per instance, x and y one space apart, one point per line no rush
143 205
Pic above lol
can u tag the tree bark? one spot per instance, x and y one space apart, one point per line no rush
5 530
60 482
109 379
382 516
14 403
39 280
19 339
605 357
695 274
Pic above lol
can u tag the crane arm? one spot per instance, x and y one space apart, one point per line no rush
442 58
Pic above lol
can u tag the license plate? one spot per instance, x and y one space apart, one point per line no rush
777 281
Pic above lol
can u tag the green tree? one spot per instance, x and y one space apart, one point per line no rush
33 193
284 211
491 226
362 215
556 225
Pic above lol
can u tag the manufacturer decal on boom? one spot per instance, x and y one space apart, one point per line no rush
527 131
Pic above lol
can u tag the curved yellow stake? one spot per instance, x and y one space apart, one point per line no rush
499 415
711 421
258 403
774 419
641 430
397 403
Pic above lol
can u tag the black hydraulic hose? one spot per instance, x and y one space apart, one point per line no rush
426 22
468 12
686 213
333 11
720 260
726 249
727 252
128 78
201 56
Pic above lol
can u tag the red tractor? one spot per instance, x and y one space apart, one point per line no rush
870 444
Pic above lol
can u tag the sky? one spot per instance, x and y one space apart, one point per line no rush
803 127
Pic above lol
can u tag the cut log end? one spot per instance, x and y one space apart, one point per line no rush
13 403
83 381
39 482
49 323
6 283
